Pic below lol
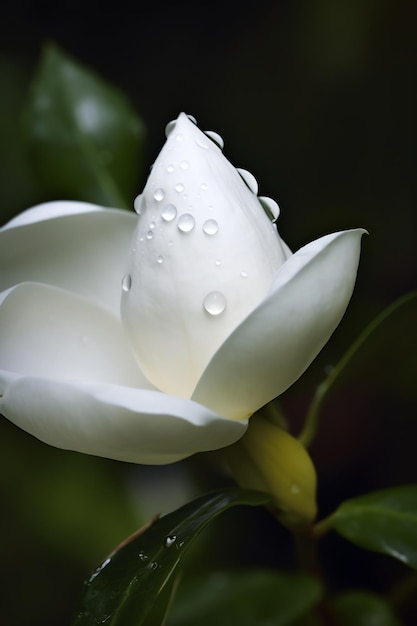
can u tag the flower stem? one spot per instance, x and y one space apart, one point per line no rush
322 528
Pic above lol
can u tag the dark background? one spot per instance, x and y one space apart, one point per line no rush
318 99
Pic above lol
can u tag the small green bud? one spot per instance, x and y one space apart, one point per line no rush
269 459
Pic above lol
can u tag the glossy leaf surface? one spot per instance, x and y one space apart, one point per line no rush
384 521
127 586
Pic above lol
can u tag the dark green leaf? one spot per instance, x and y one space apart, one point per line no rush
84 137
363 608
245 599
128 585
383 521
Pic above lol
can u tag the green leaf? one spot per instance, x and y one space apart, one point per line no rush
245 599
362 608
384 521
384 354
127 586
84 138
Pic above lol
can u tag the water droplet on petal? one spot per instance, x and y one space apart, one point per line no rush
202 143
217 262
126 282
149 234
169 212
204 186
179 137
215 137
244 274
249 179
184 165
179 187
170 540
214 303
143 556
270 207
138 204
210 227
152 225
170 168
192 118
160 259
159 194
170 127
186 222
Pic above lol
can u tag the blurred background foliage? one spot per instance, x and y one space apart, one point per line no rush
318 99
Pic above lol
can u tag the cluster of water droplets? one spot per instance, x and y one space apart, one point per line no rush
214 303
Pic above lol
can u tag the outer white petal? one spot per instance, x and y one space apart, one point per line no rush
122 423
73 245
201 231
45 331
275 344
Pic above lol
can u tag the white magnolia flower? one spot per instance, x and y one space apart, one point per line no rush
218 317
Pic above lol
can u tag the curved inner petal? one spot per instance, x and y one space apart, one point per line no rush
276 343
73 245
49 332
135 425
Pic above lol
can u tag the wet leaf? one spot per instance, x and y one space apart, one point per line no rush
127 586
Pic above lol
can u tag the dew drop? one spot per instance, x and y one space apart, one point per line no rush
126 282
159 194
202 143
143 556
192 118
170 540
215 137
169 212
152 225
270 207
170 127
249 179
170 168
179 187
214 303
244 274
137 204
186 223
160 260
210 227
184 165
153 565
217 262
149 234
179 137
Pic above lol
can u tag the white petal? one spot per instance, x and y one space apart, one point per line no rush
134 425
45 331
76 246
204 255
275 344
